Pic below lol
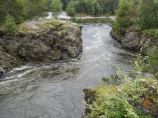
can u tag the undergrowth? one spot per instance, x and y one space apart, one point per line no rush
119 100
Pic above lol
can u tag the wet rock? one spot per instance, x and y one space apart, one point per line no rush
133 37
1 32
1 71
53 29
37 41
89 97
132 29
131 41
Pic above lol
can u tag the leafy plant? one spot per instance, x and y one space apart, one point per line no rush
10 25
119 100
76 20
70 11
152 61
122 21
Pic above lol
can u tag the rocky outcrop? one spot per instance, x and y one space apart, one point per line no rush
40 41
133 37
89 97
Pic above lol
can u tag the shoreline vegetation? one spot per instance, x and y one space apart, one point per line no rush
136 95
133 96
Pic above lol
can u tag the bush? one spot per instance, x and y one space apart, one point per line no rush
119 101
76 20
10 25
70 11
152 61
153 33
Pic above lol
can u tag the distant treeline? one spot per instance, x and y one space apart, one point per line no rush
93 7
22 10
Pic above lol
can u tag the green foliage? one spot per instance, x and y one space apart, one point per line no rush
153 33
35 8
10 25
13 8
56 7
122 21
76 20
70 11
152 61
94 7
119 100
147 14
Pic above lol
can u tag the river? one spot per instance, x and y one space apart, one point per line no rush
54 90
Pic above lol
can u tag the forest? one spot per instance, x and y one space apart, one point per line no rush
22 10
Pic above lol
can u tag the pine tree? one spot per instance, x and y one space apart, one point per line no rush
56 7
147 14
10 25
13 8
122 21
35 8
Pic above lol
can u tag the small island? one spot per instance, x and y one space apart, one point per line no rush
40 41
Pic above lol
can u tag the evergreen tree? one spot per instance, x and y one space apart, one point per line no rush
35 8
97 9
13 8
56 7
70 11
148 14
10 25
122 21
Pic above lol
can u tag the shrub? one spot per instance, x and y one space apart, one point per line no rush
10 25
118 101
153 33
76 20
152 61
70 11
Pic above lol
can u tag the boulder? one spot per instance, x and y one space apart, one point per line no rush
133 37
39 42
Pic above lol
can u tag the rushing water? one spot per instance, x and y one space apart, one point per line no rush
54 90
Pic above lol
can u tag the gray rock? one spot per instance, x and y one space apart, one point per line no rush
43 44
131 41
1 71
132 38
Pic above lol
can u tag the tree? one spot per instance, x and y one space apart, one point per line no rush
70 11
97 9
10 25
92 10
56 7
35 8
152 62
147 14
122 21
13 8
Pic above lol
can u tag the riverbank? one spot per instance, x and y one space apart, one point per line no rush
128 95
135 39
40 41
64 16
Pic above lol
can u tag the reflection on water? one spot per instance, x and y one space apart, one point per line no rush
54 90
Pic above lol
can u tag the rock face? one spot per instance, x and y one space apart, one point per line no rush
133 37
89 98
42 41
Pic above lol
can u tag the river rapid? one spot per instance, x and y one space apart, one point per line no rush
54 90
